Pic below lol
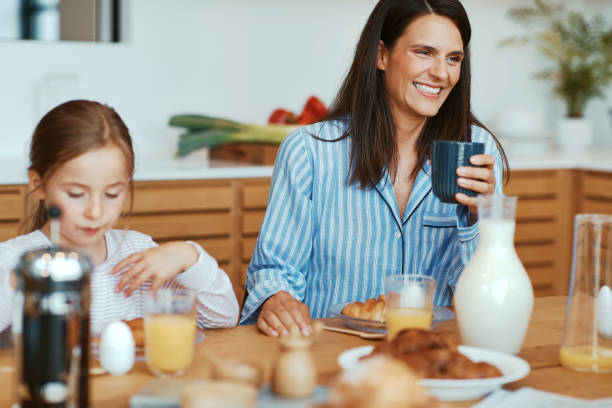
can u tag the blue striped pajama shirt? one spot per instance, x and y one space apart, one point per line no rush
327 242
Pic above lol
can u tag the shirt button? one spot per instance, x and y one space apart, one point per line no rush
398 235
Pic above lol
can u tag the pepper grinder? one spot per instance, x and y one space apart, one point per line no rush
51 326
294 374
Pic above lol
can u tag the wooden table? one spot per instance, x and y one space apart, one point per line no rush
540 349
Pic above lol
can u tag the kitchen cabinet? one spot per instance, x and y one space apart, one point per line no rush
11 210
225 215
596 192
544 216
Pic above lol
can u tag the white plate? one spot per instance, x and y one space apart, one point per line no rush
513 368
440 314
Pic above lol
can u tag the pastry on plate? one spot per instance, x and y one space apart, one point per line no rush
371 309
433 355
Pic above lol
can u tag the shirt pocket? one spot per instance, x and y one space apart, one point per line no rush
439 220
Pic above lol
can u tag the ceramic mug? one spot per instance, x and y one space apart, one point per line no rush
446 157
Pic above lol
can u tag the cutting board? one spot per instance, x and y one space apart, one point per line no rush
256 153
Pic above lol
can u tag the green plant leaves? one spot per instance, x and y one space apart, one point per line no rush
580 49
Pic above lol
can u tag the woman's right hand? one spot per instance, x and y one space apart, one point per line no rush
280 312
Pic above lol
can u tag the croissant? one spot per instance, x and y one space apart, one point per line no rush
371 309
433 355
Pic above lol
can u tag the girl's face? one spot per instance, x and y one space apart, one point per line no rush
90 190
423 66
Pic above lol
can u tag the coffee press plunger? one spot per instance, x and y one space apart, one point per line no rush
51 326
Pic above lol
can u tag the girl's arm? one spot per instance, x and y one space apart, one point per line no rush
217 304
187 264
9 256
6 299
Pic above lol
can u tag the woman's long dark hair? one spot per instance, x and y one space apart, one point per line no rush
363 101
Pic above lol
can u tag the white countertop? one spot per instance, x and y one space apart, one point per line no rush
594 160
13 169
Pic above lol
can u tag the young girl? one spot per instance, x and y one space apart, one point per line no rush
82 161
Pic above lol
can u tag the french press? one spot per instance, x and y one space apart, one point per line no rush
51 329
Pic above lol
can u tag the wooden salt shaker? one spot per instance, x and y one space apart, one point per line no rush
294 374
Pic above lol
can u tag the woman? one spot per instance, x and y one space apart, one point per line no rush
351 198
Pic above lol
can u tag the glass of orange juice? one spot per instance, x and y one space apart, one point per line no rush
586 344
170 329
409 302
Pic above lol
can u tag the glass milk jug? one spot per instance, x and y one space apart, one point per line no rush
587 336
494 296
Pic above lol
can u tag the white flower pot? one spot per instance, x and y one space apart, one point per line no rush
574 135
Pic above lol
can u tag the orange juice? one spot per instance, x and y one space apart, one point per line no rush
585 358
405 318
169 340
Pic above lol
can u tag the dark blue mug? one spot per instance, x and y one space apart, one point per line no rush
446 157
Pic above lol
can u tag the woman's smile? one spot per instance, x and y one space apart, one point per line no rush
427 90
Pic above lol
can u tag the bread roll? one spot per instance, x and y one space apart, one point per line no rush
377 382
215 394
137 327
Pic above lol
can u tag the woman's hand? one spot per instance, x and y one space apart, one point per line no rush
160 264
280 312
478 179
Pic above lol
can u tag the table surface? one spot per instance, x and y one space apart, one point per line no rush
246 343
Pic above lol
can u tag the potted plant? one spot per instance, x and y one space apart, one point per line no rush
581 52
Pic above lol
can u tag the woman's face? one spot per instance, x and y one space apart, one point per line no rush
90 190
422 68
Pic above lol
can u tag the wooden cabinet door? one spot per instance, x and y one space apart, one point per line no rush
538 215
253 199
11 210
596 192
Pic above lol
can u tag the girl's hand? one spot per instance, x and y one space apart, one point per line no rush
478 179
280 312
160 264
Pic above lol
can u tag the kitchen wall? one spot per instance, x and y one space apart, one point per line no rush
243 58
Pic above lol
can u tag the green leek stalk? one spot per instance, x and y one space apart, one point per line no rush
206 131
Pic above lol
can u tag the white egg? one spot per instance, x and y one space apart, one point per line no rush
117 348
604 311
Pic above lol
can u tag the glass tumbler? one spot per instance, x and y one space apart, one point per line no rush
170 329
587 336
409 302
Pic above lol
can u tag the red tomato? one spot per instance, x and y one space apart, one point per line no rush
282 116
316 106
314 110
307 117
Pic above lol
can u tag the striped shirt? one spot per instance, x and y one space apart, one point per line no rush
327 242
216 302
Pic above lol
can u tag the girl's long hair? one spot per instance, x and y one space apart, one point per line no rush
362 100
